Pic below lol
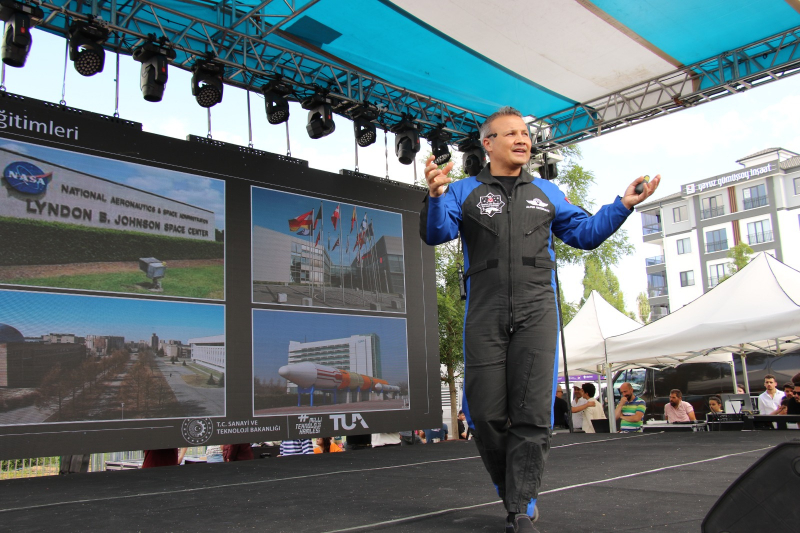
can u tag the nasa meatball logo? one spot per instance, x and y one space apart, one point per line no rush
26 177
197 431
491 204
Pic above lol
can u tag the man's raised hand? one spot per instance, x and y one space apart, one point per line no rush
437 178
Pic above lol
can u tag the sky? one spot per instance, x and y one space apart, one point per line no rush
35 314
696 143
272 331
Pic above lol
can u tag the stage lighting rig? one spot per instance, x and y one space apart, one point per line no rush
439 147
546 163
474 157
19 19
406 141
275 101
320 116
154 57
207 82
363 127
86 47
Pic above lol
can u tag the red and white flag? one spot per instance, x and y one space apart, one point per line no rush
335 217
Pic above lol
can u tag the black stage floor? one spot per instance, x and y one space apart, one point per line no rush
593 483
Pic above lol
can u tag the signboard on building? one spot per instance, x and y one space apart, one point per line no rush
731 178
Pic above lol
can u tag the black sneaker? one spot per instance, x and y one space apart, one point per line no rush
522 523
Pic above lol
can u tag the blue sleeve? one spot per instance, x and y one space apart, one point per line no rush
579 229
441 217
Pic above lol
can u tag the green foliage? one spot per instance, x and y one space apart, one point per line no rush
740 255
50 243
643 304
603 280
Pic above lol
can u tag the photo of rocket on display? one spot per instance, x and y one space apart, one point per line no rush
343 363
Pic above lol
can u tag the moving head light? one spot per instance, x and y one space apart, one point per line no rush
474 157
155 60
19 19
320 116
86 47
275 102
406 141
207 82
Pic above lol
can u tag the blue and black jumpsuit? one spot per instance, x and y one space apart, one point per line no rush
511 334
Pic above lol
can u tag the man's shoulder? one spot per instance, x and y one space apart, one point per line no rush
687 406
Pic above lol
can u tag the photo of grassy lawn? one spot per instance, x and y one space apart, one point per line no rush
193 281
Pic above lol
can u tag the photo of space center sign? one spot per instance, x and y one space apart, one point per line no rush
77 221
319 253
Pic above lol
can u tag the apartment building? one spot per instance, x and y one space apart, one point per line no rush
691 231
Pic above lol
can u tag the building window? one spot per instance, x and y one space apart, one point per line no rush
687 278
656 285
758 232
755 196
797 186
651 222
679 213
684 246
715 274
716 240
712 207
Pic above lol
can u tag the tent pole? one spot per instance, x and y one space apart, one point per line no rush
568 392
612 420
733 376
744 370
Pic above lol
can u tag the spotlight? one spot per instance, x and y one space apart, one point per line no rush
406 141
207 82
275 101
439 147
474 157
363 127
19 19
154 59
86 47
320 116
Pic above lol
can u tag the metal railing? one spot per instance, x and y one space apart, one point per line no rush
656 260
655 292
716 246
655 315
50 466
759 237
712 212
649 229
713 281
756 201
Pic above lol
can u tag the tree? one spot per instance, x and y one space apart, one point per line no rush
603 280
740 255
451 320
643 303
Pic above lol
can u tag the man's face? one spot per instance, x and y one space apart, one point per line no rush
714 406
674 400
788 391
508 143
462 416
627 391
559 393
770 384
797 394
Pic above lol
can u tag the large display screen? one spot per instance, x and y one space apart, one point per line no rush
163 293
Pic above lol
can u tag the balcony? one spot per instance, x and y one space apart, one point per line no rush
657 260
655 292
712 212
713 281
649 229
756 201
716 246
757 238
658 312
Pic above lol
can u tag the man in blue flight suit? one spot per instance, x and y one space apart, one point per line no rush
507 220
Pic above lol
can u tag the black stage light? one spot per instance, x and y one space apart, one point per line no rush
19 19
474 157
86 47
154 59
275 101
439 147
363 127
320 116
406 141
207 82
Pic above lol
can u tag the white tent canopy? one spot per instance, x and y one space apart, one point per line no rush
757 308
586 333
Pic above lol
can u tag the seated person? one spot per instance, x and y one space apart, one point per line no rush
677 410
715 404
326 445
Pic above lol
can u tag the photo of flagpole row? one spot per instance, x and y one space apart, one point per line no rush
305 363
319 253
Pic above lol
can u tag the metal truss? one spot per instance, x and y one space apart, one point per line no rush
728 73
240 41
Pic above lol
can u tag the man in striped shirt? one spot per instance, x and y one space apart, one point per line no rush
630 410
296 447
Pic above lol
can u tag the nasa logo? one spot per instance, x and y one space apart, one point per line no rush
26 177
342 420
197 431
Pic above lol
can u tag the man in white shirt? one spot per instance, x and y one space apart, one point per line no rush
769 401
577 401
590 409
